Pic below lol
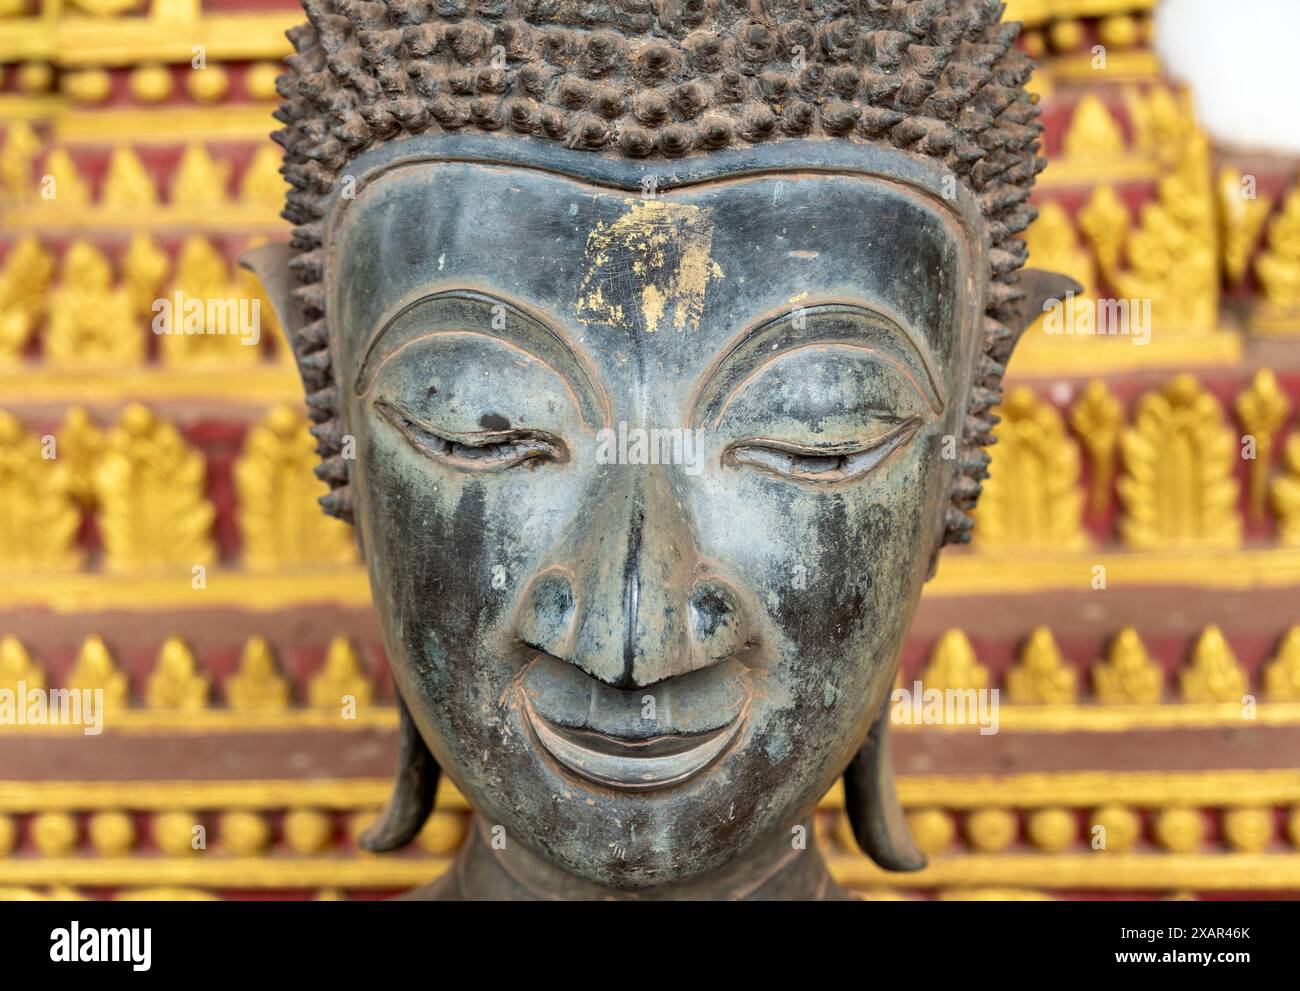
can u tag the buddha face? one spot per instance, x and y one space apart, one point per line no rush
648 480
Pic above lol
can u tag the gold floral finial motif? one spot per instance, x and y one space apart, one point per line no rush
1105 220
262 183
1278 266
91 320
23 284
95 669
144 266
1042 675
80 443
953 665
279 521
1261 410
128 184
151 488
20 149
1241 221
62 184
1178 488
1213 674
1097 418
1128 675
258 684
1282 673
1032 497
1093 134
17 666
1286 493
214 304
200 179
340 677
38 518
176 682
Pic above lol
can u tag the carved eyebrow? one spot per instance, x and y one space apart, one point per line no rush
849 324
465 310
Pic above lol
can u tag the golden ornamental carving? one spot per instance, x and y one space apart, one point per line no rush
279 521
54 833
18 668
1042 674
1032 497
1163 121
1278 266
244 834
1261 410
144 266
107 8
1052 830
1097 418
16 157
933 829
38 518
112 834
990 830
262 182
1114 828
175 833
80 444
23 284
1286 493
307 830
1179 830
258 684
62 184
1248 829
91 320
953 665
1104 219
1128 675
1213 675
1093 135
216 318
96 670
1282 673
151 488
1178 488
128 184
1241 219
340 677
200 179
176 682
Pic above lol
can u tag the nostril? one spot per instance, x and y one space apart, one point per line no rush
548 614
716 619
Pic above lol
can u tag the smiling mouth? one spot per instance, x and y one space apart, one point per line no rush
602 733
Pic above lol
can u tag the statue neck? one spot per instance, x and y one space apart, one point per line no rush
774 871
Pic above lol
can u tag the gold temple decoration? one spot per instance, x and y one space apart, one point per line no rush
990 830
1052 830
1042 674
1178 488
203 276
258 684
38 519
1213 674
340 676
1163 120
1282 673
200 180
54 833
243 833
1286 493
1093 134
95 669
176 682
16 157
1241 221
953 665
279 521
1248 829
151 487
80 443
1179 830
68 188
1053 244
1097 418
23 282
262 182
1128 675
144 266
17 666
1032 497
1121 825
1278 267
1261 410
128 184
112 834
1104 219
90 320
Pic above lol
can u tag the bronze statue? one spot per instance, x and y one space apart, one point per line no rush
651 346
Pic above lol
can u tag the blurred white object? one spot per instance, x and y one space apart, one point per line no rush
1241 61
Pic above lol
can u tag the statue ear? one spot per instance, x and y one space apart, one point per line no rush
872 803
1039 288
413 791
270 263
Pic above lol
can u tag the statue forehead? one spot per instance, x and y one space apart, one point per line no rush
678 257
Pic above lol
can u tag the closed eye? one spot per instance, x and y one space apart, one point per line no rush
487 450
826 464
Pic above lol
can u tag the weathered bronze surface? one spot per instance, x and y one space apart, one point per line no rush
652 420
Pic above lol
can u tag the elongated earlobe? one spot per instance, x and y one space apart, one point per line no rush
413 791
270 263
1039 287
872 803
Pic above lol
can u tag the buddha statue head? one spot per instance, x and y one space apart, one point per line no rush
651 346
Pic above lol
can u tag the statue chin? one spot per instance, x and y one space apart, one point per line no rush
649 460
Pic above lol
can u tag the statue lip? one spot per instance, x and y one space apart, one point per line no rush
602 733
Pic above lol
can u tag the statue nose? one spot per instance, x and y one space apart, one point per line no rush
632 604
